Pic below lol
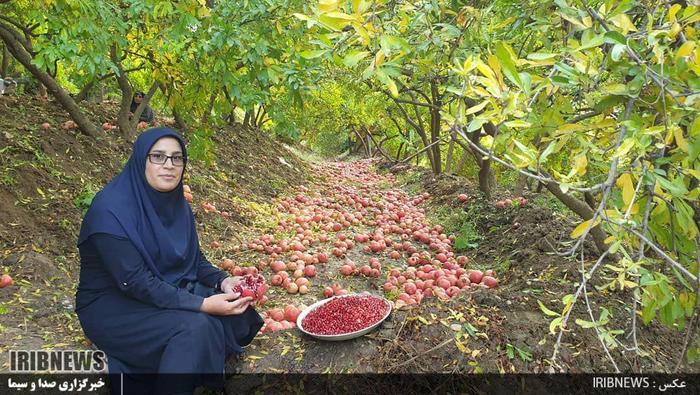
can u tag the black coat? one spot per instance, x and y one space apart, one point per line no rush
147 115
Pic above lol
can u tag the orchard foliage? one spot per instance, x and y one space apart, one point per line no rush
597 100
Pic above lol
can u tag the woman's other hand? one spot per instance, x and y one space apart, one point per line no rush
225 304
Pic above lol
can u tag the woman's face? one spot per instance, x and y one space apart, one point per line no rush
164 177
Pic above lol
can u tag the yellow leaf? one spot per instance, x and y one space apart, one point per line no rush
625 183
481 91
675 29
672 12
554 324
477 107
680 140
503 24
624 22
570 127
634 209
379 58
327 5
362 32
694 129
486 141
392 87
580 164
496 67
485 70
468 64
587 21
578 231
204 12
605 123
625 147
685 49
359 6
609 239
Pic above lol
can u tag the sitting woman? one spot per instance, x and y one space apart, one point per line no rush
147 296
147 114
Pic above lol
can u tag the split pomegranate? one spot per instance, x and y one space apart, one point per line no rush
252 285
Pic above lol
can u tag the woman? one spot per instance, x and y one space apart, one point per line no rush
147 114
147 296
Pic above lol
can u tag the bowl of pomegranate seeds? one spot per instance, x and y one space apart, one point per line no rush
344 317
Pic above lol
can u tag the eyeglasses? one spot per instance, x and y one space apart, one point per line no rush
159 159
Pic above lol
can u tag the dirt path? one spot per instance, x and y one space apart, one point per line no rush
476 329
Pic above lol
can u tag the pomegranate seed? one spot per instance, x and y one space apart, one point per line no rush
345 315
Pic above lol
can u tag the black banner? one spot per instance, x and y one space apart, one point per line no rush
20 383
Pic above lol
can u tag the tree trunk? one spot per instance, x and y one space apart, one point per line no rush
84 91
246 118
448 160
207 111
583 210
520 185
487 179
179 122
4 68
417 125
462 161
435 120
123 117
20 53
398 152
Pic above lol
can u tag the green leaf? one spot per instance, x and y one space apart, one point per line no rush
475 124
673 188
617 52
595 41
648 311
354 57
547 311
313 54
585 324
541 56
547 151
608 103
506 56
509 351
613 37
518 123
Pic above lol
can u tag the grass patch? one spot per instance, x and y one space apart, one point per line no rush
84 198
306 154
460 223
411 181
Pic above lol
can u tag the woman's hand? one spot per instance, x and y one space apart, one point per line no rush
228 284
225 304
